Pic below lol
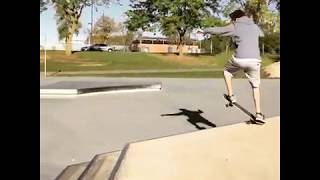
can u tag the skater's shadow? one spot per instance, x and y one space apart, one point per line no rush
194 117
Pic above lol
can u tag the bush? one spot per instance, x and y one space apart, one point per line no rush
271 43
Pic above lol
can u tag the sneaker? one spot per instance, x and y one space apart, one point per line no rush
232 98
259 117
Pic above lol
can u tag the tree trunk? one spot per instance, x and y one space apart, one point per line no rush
181 43
69 45
211 46
181 49
69 39
227 47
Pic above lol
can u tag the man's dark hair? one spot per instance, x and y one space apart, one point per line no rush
236 14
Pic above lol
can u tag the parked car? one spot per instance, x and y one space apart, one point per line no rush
98 47
84 48
120 48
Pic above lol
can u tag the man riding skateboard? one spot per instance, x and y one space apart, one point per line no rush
245 35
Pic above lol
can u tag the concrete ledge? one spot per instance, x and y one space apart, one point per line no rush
78 88
59 91
240 152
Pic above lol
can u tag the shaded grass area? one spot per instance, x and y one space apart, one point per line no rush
204 74
199 74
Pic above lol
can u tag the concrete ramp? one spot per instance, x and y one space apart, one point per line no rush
236 152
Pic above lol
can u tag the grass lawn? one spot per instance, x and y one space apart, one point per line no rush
81 62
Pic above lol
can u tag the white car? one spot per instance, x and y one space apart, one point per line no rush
98 47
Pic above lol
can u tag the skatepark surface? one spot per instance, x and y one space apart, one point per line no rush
239 151
75 130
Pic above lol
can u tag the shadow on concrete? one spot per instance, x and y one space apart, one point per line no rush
194 117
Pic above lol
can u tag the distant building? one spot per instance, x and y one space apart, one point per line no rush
155 42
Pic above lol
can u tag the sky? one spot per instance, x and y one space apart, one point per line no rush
48 28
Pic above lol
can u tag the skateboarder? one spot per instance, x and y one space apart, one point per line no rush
245 35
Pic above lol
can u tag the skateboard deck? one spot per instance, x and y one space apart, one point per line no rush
252 117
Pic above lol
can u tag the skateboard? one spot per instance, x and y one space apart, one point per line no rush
252 117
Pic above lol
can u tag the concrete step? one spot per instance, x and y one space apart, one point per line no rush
241 151
100 167
72 172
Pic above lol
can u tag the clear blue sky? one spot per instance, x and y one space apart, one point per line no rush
48 21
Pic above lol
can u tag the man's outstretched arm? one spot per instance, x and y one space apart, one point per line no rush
175 114
229 30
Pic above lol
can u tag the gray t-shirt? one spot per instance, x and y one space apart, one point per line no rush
245 34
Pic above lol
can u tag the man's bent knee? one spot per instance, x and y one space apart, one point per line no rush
227 74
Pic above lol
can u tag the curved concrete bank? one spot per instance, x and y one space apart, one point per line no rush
239 152
273 70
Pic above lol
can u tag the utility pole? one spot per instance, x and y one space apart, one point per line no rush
211 45
91 30
45 55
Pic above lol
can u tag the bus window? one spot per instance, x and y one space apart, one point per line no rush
158 42
146 42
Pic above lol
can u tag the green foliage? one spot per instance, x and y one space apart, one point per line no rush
219 44
176 17
271 43
122 39
102 29
211 21
68 13
63 28
259 10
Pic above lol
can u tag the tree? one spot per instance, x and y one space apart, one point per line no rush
68 13
258 9
272 43
126 36
125 39
102 29
270 22
63 29
176 17
129 37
